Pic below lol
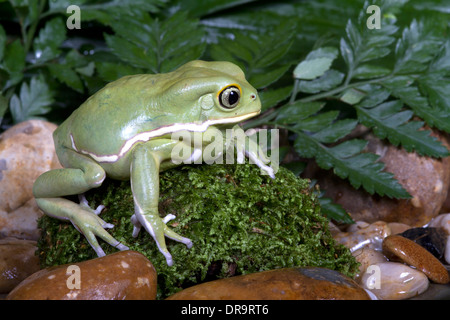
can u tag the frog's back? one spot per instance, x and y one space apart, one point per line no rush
116 113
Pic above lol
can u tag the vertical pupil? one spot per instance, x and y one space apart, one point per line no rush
233 97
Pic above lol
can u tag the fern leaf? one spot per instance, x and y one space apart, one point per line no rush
389 121
349 162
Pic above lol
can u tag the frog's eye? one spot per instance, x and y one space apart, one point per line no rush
229 97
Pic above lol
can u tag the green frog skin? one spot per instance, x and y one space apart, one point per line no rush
124 132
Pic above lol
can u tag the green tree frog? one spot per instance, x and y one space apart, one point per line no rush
124 132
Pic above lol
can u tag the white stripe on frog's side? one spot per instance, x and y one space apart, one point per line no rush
147 135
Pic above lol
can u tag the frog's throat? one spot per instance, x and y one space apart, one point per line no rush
147 135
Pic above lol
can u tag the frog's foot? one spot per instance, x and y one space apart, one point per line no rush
269 170
92 226
85 205
158 229
83 218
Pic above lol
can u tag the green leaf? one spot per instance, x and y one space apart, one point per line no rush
335 131
162 47
3 107
417 46
295 112
389 121
361 169
334 211
316 63
14 61
437 90
263 78
205 7
2 42
110 71
347 53
260 54
46 45
271 97
368 71
34 100
107 12
352 96
434 117
312 69
329 80
317 122
67 75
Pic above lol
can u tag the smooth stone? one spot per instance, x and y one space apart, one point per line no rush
425 178
397 227
413 254
26 151
432 239
367 257
394 281
303 283
17 262
125 275
364 235
443 221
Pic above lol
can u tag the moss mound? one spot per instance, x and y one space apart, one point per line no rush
239 221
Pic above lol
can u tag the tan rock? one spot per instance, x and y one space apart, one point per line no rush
307 283
418 257
125 275
397 227
17 262
26 151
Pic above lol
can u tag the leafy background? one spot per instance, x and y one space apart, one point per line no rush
320 71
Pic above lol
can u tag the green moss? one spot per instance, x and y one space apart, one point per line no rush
239 221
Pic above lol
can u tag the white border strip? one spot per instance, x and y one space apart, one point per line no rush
147 135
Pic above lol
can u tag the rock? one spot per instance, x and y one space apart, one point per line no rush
443 221
397 227
425 178
306 283
17 261
26 151
413 254
394 281
363 234
125 275
367 257
432 239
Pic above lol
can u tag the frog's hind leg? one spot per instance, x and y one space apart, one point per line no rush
81 175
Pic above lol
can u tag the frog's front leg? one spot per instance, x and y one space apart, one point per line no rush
248 146
145 165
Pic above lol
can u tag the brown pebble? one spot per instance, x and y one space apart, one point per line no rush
308 283
125 275
415 255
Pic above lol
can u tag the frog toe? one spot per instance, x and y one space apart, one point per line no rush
136 226
168 218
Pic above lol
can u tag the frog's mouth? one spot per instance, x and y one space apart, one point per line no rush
236 119
147 135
